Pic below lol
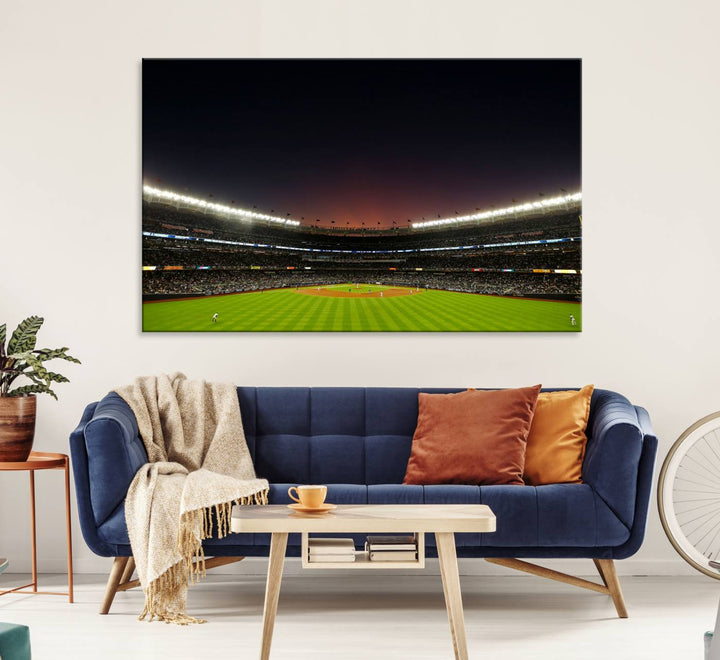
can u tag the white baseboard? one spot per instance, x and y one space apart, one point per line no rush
469 567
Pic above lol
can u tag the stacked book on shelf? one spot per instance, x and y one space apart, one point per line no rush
331 550
391 548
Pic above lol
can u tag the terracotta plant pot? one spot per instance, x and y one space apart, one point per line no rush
17 427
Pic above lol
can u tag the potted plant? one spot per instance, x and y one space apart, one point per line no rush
18 359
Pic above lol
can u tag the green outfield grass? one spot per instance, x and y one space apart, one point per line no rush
290 310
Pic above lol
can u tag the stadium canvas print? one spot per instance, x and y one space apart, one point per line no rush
361 195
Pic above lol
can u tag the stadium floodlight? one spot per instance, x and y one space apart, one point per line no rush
539 205
158 193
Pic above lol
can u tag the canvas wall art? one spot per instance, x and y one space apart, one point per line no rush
361 195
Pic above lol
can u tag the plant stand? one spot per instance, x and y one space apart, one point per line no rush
39 460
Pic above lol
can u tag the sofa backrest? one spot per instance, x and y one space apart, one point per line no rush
349 435
352 435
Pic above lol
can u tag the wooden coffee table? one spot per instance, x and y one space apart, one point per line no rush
443 520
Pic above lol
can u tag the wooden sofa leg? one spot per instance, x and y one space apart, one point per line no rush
600 570
606 568
129 570
124 567
116 574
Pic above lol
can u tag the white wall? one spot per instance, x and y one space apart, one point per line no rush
70 190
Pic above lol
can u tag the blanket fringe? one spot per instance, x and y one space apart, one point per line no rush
165 590
162 593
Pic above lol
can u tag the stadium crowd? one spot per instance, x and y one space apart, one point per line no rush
213 282
230 268
172 252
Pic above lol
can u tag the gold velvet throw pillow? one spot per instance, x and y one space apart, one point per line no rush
474 437
556 443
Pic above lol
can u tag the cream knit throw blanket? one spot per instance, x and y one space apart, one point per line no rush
199 466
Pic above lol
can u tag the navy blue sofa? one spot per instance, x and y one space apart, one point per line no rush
357 440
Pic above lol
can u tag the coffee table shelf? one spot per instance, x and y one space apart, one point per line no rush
362 558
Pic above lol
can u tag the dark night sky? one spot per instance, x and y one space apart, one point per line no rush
363 140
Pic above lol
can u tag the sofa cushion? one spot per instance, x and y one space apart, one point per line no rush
560 515
555 516
556 442
473 437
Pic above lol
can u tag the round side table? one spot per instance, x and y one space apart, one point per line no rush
40 460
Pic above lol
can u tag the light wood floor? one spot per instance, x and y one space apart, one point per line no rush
377 616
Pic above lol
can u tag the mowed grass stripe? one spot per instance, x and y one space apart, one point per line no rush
383 310
415 316
323 316
476 313
368 321
355 321
448 315
307 320
295 312
459 313
288 310
283 312
512 314
471 312
339 317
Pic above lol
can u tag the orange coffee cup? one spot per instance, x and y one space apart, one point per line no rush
308 496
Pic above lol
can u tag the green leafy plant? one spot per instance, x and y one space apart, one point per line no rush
21 358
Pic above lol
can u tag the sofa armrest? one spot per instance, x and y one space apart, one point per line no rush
644 421
645 483
115 453
79 457
612 458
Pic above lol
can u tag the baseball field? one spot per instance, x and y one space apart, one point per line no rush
360 308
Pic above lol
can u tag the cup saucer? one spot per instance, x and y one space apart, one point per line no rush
323 508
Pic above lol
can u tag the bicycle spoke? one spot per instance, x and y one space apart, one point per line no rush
696 508
700 517
717 552
702 538
712 449
706 464
710 478
716 514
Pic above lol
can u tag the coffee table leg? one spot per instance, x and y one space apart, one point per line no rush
278 544
451 587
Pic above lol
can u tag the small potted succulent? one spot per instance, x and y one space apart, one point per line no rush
19 359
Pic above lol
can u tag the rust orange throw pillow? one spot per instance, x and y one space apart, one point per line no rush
471 437
556 443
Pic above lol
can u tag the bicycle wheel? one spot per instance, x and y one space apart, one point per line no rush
689 495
